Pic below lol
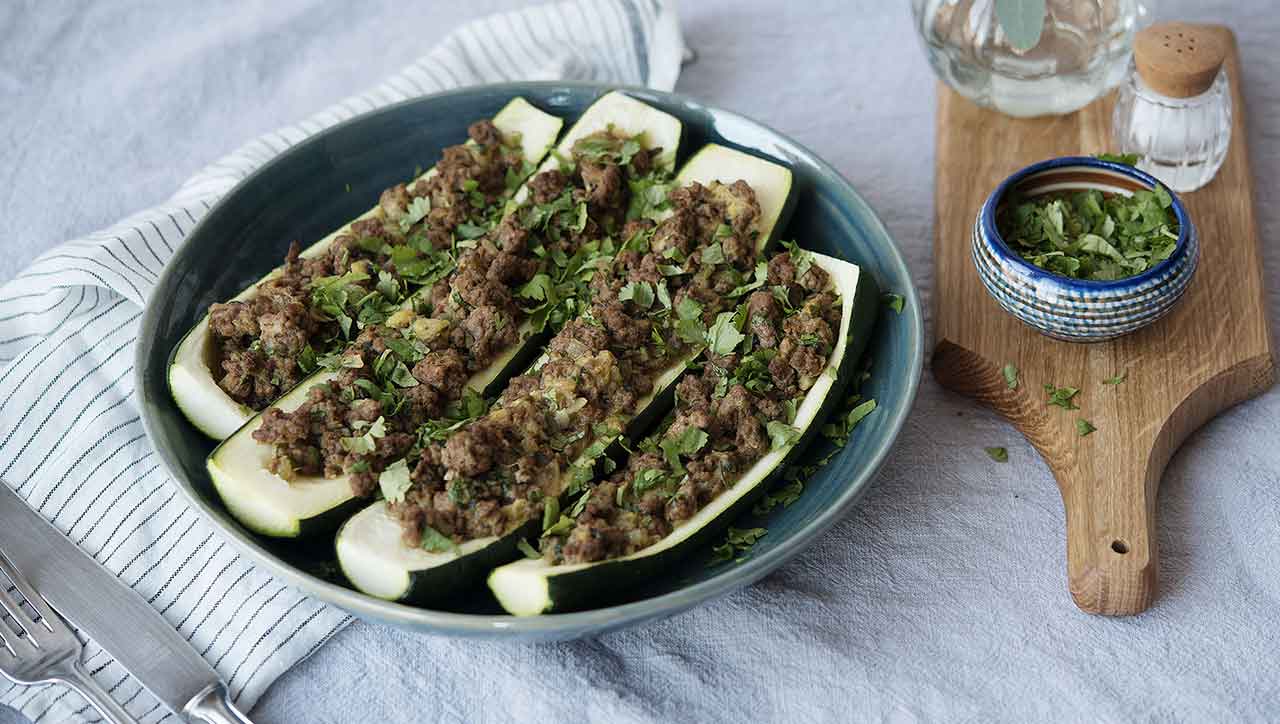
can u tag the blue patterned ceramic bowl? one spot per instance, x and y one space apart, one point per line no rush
1080 310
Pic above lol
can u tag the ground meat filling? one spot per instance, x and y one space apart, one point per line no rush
267 343
730 415
414 365
548 425
367 416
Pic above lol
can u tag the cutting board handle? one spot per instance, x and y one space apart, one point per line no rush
1112 557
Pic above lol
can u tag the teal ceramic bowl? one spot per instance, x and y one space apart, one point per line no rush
301 194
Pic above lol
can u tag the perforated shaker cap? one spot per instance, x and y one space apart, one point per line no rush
1179 60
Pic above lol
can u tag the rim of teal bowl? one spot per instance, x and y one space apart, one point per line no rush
1006 253
578 623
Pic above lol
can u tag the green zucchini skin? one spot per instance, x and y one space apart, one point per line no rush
326 522
438 585
607 582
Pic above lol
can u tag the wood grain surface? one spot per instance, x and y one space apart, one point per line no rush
1211 352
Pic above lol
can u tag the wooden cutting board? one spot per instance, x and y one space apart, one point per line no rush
1211 352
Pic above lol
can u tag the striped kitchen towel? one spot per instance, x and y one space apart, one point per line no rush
71 441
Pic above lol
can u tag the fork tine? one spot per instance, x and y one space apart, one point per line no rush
12 644
35 600
11 606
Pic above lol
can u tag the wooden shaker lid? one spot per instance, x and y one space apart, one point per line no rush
1179 60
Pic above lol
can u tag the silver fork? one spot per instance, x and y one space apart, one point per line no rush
47 650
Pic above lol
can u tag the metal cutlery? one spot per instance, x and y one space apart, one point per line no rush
45 650
112 614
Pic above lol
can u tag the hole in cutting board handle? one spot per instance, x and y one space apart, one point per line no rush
1119 546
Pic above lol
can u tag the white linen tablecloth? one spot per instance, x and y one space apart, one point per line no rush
942 597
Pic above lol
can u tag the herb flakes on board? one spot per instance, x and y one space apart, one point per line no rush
1062 396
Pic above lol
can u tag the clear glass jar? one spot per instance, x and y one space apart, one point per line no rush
1083 52
1182 141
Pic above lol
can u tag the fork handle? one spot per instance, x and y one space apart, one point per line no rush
77 678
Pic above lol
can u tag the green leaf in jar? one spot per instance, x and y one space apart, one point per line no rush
1022 21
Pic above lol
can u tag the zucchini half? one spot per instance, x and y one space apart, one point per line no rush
270 505
370 549
533 586
192 380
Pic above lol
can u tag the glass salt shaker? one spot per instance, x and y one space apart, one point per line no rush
1175 110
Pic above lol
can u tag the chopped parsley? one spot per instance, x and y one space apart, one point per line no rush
723 337
528 550
639 293
417 211
366 443
1128 159
1062 396
839 431
784 496
1010 376
689 441
1091 235
737 540
999 454
894 301
1084 427
436 542
1117 379
781 434
395 481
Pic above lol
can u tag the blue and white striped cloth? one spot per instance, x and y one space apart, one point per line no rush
71 441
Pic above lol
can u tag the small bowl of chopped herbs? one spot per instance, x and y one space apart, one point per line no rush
1085 249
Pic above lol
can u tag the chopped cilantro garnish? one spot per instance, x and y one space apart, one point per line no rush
639 293
436 542
999 454
550 513
723 337
528 550
838 432
417 211
1128 159
781 434
761 274
1010 376
689 441
737 540
395 481
714 253
1117 379
470 231
1084 427
894 301
1062 396
784 496
366 443
1091 235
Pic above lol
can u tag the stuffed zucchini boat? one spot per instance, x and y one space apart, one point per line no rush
246 352
423 371
766 385
471 499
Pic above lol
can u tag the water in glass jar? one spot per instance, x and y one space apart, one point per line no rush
1083 52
